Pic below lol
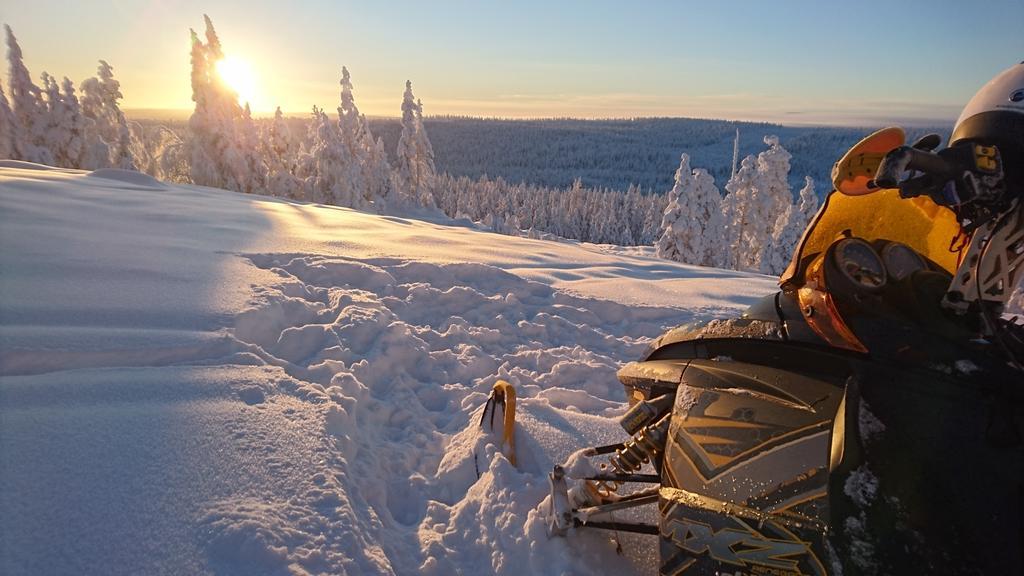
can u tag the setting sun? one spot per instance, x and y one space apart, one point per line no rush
240 77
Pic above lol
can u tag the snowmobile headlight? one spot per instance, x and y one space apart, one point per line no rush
820 312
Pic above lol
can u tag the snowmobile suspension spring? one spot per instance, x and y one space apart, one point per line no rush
637 451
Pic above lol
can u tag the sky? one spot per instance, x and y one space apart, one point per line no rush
789 61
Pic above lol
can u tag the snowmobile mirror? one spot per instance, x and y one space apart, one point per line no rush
854 173
928 142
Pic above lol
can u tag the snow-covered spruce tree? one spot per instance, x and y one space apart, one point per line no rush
577 224
352 151
279 146
6 127
416 172
65 130
379 176
773 196
82 131
249 145
100 96
422 142
692 226
646 218
789 227
708 202
652 218
368 170
758 194
632 215
305 164
279 150
672 242
170 155
329 183
28 108
203 124
808 200
738 213
55 134
223 153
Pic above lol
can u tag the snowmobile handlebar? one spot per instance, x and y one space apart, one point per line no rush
966 173
906 158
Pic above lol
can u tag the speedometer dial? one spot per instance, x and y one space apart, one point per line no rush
859 262
901 261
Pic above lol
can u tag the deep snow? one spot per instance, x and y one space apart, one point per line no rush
197 381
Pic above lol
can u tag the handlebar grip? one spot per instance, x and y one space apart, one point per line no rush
904 158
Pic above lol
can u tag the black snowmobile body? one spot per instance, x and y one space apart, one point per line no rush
845 425
788 456
857 422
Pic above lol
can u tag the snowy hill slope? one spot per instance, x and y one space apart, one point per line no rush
196 381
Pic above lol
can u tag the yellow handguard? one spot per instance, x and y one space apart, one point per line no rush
854 173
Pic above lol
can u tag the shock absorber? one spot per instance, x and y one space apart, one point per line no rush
643 447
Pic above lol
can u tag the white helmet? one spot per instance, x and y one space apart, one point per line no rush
995 115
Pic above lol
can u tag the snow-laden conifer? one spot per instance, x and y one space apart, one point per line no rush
279 152
367 168
29 111
82 130
100 103
426 151
808 200
672 243
416 172
773 164
738 213
692 224
56 135
254 165
789 227
329 173
772 199
707 208
6 127
67 127
224 152
352 151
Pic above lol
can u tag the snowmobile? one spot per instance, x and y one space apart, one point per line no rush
867 418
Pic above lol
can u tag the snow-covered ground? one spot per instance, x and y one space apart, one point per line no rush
195 381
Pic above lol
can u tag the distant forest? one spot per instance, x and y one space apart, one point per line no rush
610 154
616 153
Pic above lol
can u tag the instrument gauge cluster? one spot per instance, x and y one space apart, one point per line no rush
866 266
901 260
859 264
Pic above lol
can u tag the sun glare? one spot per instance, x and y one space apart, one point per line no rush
240 77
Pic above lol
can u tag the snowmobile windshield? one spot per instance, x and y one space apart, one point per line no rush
920 223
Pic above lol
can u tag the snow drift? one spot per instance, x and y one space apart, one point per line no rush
197 381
